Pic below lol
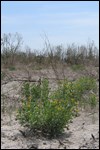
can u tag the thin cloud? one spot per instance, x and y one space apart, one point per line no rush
84 18
15 19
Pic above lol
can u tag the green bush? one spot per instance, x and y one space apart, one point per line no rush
83 86
49 113
39 112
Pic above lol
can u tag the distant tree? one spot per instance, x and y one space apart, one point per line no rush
10 44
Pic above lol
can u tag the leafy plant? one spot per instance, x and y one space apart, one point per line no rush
76 90
40 112
83 86
49 113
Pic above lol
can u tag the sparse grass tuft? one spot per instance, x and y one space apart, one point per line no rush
12 68
3 75
77 67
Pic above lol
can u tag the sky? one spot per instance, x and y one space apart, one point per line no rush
63 22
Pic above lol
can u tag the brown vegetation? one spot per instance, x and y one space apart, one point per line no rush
12 55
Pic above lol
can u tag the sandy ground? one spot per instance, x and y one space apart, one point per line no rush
79 135
82 132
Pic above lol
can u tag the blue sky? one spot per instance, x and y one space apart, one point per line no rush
64 22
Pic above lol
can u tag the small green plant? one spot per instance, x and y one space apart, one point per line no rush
93 101
12 68
77 67
3 75
83 86
37 67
